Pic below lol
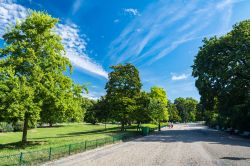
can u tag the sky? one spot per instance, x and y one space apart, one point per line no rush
161 37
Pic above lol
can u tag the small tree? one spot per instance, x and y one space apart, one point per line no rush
158 105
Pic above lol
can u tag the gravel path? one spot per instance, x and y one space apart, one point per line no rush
190 144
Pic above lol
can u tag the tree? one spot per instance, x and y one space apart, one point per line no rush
180 106
142 113
158 105
186 108
222 70
62 103
31 71
102 113
91 113
173 113
122 88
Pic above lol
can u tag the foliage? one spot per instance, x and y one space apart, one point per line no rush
186 108
222 69
91 113
158 105
173 113
122 88
142 113
31 74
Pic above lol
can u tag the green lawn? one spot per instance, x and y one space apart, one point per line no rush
41 138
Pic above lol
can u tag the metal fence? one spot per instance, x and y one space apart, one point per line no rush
41 156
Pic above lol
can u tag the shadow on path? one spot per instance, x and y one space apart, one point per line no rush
234 158
199 134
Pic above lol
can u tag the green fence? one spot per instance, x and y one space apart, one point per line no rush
41 156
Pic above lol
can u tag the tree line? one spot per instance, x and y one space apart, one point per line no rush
222 72
126 103
34 88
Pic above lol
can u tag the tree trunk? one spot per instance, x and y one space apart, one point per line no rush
159 126
138 126
129 123
50 124
25 128
122 127
105 124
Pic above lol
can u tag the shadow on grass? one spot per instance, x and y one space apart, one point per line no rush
42 140
20 145
108 131
55 126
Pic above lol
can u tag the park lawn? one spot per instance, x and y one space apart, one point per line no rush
41 138
151 125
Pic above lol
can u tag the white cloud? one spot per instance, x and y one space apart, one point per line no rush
179 77
93 95
132 11
9 12
75 44
116 20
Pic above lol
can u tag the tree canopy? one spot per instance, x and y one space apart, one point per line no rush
222 70
123 87
158 105
32 79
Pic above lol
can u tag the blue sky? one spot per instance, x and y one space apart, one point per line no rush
161 38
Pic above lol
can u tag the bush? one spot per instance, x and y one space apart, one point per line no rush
18 126
6 127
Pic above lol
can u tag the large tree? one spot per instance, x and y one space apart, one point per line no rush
32 70
123 87
222 70
158 105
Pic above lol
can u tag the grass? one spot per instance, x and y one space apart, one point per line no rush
41 138
150 125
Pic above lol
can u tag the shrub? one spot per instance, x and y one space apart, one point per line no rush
6 127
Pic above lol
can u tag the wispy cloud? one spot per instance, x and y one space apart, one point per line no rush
116 20
75 44
76 6
132 11
176 77
157 38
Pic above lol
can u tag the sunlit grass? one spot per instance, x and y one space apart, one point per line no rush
41 138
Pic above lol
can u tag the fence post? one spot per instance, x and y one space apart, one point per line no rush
21 159
113 139
69 149
50 150
96 143
85 146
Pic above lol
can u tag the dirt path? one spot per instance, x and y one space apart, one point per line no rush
183 145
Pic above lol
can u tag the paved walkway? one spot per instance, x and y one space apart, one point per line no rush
183 145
